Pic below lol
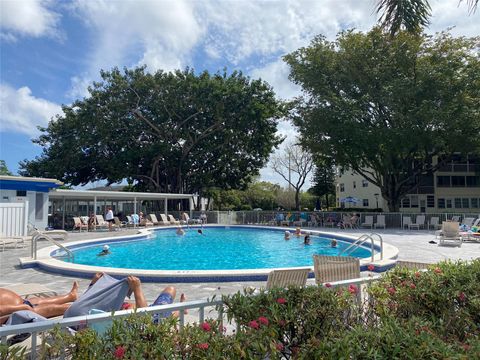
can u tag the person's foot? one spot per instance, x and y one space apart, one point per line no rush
95 278
182 299
74 292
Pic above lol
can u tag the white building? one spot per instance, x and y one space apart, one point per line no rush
351 184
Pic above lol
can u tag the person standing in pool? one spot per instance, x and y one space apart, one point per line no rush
180 231
287 235
105 251
306 240
333 244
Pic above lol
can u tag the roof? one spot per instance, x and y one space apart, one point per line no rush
28 183
119 195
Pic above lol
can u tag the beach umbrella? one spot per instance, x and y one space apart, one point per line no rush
350 200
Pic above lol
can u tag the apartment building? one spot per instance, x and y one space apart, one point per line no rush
454 187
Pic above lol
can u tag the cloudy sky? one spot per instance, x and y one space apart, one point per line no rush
51 50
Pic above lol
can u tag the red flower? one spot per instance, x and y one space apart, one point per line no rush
353 289
371 267
404 283
461 296
328 285
466 347
417 274
391 290
413 286
281 301
203 346
279 346
281 323
438 270
206 326
263 320
253 324
119 352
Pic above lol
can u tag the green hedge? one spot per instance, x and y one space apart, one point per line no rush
406 315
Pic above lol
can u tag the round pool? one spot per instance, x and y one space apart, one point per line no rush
213 249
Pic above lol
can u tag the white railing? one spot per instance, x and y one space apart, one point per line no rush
361 240
82 321
13 219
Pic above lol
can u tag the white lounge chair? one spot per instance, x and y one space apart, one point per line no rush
153 219
419 222
335 268
434 223
12 240
368 221
450 234
380 222
78 224
101 223
172 220
468 222
187 219
286 278
455 218
164 220
406 222
119 224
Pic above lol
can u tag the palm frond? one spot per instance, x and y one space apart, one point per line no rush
411 15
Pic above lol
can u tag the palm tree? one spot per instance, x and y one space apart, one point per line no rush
411 15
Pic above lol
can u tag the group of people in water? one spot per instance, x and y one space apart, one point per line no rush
306 237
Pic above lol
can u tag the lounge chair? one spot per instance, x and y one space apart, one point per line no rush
346 222
450 234
173 221
455 218
119 224
406 222
286 278
380 222
12 240
368 221
164 220
101 223
468 222
79 225
187 219
335 268
419 222
313 221
31 289
434 223
131 222
153 219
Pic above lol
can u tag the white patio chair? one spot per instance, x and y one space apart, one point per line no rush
380 222
172 220
335 268
434 223
419 222
406 222
450 234
468 222
368 221
286 278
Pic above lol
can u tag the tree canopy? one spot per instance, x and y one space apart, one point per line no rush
4 169
164 131
386 106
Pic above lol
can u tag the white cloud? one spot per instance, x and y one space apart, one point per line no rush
22 112
27 18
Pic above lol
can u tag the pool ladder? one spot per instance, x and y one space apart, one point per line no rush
361 240
36 235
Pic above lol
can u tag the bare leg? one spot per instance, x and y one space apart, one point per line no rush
50 310
58 300
177 313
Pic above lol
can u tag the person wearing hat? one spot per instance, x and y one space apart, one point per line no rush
287 235
105 251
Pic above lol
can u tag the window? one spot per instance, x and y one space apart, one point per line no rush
21 193
465 203
406 202
449 203
430 201
441 203
458 203
354 184
414 202
342 187
38 206
458 181
473 181
443 181
365 202
364 183
474 202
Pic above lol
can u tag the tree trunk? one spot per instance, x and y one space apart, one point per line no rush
297 199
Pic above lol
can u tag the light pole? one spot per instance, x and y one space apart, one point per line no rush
376 199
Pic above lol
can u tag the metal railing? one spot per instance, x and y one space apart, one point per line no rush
36 235
360 241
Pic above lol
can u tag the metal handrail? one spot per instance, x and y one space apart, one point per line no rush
361 240
38 235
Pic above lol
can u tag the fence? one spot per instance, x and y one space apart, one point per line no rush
13 219
37 328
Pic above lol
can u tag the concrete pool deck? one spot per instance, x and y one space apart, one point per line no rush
413 246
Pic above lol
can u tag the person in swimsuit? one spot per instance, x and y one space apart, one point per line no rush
46 307
306 240
105 251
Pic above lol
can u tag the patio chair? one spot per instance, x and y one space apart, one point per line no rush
335 268
434 223
119 224
100 222
456 218
468 222
419 222
406 222
164 220
347 222
286 278
368 221
450 234
79 225
172 220
187 219
12 240
131 222
153 219
380 222
30 289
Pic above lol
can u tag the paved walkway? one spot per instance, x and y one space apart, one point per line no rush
413 246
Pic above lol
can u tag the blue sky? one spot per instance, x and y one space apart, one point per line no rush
51 50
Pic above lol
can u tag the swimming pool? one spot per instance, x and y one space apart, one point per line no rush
222 254
214 249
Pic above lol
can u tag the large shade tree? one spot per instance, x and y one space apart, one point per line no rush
164 131
386 106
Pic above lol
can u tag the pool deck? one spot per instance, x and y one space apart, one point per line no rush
413 246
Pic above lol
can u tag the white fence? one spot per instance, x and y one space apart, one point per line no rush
13 219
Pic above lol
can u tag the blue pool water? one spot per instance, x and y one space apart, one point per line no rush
217 249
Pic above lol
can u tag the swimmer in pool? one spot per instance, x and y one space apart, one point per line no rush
180 231
287 235
298 231
200 231
333 244
306 240
105 251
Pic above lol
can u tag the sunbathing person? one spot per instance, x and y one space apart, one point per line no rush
46 307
